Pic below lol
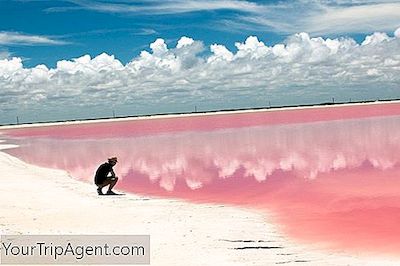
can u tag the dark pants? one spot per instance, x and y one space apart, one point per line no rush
109 181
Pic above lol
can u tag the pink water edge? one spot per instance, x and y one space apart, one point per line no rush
329 175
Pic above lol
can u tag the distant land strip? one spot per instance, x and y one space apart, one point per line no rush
233 110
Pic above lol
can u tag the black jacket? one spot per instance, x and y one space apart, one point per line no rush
102 173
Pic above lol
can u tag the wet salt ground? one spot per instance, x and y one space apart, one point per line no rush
333 182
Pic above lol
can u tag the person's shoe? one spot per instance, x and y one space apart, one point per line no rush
110 192
99 191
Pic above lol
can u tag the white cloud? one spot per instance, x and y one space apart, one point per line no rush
159 47
302 68
16 38
359 18
161 7
397 33
146 32
4 54
220 52
321 17
184 41
252 47
376 38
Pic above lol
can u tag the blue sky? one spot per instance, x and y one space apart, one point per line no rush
40 42
83 30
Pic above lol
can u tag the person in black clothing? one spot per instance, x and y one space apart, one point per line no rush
103 179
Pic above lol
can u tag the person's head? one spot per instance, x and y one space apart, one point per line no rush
113 160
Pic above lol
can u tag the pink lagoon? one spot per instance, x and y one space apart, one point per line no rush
329 175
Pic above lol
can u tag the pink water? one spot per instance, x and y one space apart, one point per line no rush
329 176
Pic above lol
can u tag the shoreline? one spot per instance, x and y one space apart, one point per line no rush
193 114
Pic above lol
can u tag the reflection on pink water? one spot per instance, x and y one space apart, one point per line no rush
332 182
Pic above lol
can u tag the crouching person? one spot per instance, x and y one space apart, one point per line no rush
103 177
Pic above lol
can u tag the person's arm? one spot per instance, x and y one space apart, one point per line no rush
112 173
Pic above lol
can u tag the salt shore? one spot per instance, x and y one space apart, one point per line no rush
36 200
209 113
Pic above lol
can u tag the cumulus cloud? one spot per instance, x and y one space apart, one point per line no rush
397 33
302 66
